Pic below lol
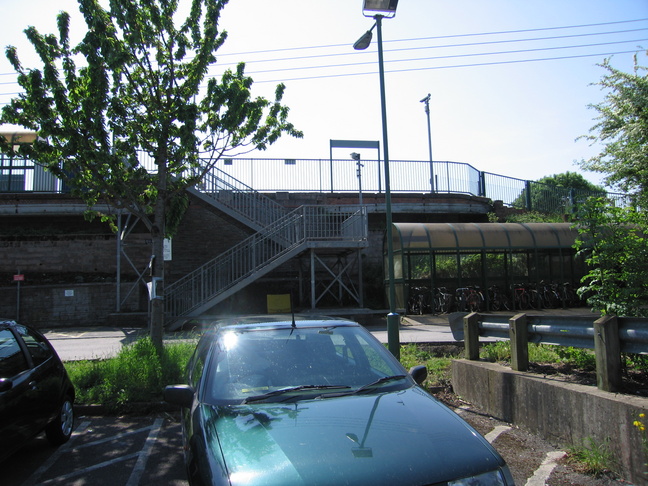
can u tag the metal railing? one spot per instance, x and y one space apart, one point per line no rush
220 187
325 175
262 252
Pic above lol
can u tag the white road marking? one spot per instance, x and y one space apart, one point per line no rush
138 470
544 471
33 479
495 433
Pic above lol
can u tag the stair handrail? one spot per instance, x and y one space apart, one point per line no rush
295 229
240 198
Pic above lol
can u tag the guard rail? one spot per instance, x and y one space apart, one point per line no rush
609 336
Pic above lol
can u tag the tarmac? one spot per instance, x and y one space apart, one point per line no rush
103 342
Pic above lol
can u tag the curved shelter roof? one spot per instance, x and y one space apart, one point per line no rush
482 236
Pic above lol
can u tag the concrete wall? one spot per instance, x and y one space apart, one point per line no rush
561 412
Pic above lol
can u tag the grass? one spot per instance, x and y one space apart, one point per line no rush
592 457
136 374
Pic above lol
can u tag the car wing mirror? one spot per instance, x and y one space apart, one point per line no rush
179 395
6 384
419 373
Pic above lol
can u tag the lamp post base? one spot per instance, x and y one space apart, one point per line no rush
393 339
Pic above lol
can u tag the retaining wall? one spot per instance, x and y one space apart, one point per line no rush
563 413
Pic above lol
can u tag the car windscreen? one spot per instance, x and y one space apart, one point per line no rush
250 363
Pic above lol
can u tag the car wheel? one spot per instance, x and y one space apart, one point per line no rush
59 430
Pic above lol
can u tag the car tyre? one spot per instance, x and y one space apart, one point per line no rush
59 430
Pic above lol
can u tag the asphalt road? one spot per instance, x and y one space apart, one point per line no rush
103 342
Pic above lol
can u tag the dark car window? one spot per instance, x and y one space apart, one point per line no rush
38 348
254 362
12 359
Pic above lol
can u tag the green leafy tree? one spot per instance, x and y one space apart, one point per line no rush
622 131
141 87
613 241
557 194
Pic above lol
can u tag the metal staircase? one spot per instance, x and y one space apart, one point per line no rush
280 236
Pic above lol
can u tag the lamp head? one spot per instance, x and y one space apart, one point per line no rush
355 156
385 8
363 42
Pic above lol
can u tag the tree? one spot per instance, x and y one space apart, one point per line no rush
613 241
557 193
622 130
139 90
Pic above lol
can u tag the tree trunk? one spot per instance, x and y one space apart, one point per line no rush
158 232
156 325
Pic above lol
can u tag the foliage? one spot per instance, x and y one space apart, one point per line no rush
557 194
643 434
535 217
500 351
438 366
622 130
592 457
139 91
613 241
137 374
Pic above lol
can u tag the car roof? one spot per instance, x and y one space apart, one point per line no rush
281 321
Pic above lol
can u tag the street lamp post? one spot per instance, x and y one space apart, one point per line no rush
379 9
426 100
356 156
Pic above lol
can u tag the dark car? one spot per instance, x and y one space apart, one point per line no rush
36 393
319 401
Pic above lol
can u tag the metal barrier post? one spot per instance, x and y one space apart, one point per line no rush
471 336
607 348
519 336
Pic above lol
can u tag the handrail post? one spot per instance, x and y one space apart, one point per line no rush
519 336
471 336
607 348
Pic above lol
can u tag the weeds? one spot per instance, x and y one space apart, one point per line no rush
592 457
137 374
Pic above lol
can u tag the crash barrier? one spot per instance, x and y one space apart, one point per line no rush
609 336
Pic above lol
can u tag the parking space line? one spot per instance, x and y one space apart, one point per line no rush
546 468
114 437
144 454
33 479
494 434
88 469
136 474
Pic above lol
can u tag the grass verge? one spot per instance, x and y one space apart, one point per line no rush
137 374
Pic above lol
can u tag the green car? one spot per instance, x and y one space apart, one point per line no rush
309 401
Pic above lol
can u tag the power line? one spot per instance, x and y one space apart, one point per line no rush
452 56
453 36
455 66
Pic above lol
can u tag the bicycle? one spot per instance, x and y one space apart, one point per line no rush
497 299
417 303
520 297
442 301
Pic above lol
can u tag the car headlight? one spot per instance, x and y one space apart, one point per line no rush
491 478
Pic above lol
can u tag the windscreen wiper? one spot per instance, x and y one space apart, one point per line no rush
379 382
282 391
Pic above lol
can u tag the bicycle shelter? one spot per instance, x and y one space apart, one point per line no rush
482 255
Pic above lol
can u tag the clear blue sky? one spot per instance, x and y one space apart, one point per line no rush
510 80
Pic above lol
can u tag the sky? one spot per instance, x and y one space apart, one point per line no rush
510 81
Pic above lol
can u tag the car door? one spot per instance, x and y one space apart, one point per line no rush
46 376
16 393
